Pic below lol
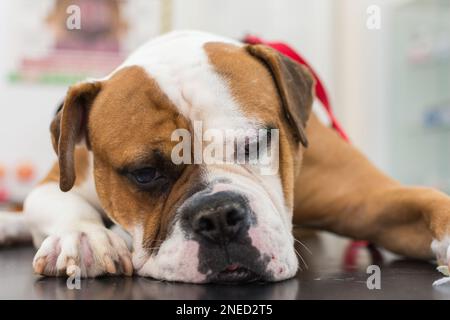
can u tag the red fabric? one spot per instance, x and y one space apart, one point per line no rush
352 251
320 89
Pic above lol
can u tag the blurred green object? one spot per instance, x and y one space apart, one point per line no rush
48 78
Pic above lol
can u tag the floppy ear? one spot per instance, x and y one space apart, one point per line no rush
69 128
295 86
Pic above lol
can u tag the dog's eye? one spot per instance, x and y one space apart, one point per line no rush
145 177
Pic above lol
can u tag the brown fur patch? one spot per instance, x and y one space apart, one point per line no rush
341 191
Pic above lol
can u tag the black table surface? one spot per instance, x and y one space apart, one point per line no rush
327 277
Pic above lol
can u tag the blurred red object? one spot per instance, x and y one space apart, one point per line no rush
4 195
353 250
25 172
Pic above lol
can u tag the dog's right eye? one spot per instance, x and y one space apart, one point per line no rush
146 177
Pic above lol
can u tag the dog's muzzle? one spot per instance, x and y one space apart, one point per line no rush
220 222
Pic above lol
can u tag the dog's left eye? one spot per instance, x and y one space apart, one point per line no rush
145 177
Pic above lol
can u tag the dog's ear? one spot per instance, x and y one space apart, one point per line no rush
68 128
295 85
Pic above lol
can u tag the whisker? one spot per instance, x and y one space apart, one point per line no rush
301 258
298 255
303 245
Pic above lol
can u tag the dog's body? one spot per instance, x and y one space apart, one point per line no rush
217 222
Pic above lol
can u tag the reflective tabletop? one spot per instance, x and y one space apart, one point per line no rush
331 270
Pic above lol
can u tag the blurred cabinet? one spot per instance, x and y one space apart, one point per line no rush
419 94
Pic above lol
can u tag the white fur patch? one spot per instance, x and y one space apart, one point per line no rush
48 211
441 248
180 66
176 260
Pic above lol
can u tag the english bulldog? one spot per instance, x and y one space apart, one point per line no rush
208 222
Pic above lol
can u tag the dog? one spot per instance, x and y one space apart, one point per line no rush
215 222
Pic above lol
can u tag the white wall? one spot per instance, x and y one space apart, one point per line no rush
362 76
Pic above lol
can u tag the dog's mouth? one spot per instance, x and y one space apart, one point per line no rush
235 274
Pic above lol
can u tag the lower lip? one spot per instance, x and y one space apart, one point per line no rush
235 274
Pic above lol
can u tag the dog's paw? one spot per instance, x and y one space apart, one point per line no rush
441 249
91 250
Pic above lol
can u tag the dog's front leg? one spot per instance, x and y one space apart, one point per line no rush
341 191
69 231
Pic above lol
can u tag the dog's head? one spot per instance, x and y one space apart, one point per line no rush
194 221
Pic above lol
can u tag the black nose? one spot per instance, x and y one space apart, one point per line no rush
220 217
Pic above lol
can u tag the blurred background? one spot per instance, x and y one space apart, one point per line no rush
389 84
